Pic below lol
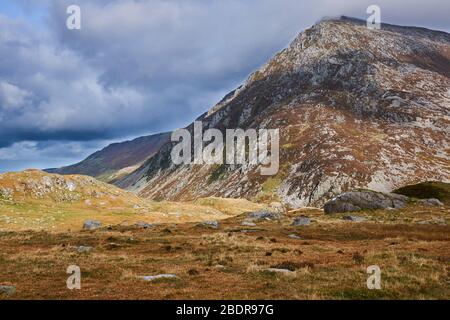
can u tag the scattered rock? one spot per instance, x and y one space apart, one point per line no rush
211 224
285 272
359 200
159 276
430 202
91 225
219 267
250 230
301 221
7 290
144 225
354 218
84 249
268 215
294 236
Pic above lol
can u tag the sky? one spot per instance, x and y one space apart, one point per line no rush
140 67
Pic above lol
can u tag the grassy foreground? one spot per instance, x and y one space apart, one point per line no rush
328 258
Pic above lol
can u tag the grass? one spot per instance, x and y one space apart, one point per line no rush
328 262
425 190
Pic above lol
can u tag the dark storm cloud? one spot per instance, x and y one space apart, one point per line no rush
147 66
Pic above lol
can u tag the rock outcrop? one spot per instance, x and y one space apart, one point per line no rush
367 199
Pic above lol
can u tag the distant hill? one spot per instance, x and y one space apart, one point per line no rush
117 159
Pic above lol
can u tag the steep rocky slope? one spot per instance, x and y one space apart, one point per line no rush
118 159
356 108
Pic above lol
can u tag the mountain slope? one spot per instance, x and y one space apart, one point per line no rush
118 159
36 200
356 108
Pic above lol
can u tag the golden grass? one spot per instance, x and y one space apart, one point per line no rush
330 259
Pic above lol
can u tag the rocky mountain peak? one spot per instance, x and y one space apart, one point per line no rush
356 108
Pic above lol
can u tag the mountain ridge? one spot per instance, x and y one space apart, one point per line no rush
116 159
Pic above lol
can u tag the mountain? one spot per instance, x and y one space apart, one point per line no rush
356 108
118 159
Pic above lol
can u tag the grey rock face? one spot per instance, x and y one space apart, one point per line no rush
430 202
91 225
359 200
301 221
265 215
7 290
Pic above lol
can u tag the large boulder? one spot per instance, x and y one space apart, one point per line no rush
365 199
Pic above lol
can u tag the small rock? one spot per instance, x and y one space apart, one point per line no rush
144 225
285 272
250 230
91 225
294 236
219 267
301 221
430 202
248 224
84 249
265 215
7 290
354 218
159 276
211 224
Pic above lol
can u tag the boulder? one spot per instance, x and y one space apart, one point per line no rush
7 290
430 202
301 221
358 200
91 225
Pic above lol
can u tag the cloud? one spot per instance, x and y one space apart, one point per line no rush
144 66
